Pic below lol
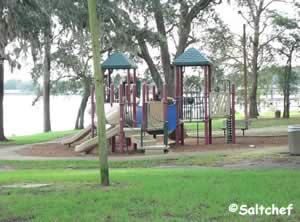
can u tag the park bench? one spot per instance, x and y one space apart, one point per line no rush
239 124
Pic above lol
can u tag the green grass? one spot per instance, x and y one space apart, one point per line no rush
255 123
147 195
38 138
200 159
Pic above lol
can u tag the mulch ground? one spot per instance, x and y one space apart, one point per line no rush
241 142
60 150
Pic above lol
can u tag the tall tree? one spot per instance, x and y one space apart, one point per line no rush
45 29
257 14
289 44
10 29
159 22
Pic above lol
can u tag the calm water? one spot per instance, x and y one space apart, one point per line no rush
21 118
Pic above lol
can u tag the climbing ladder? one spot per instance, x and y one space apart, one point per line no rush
229 129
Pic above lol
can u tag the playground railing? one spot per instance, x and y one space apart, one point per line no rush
219 104
192 107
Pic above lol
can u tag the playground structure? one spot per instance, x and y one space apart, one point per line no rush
202 107
134 122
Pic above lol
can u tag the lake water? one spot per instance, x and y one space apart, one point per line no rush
21 118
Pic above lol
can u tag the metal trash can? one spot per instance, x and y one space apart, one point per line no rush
294 139
277 114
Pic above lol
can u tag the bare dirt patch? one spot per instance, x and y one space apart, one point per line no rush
241 142
49 150
60 150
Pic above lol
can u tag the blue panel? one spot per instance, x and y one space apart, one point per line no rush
171 117
139 113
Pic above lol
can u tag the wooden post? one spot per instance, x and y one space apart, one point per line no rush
245 74
233 114
99 82
92 111
122 119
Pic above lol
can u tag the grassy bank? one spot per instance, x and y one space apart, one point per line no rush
147 195
38 138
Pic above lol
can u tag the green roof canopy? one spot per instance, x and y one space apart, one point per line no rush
118 60
192 57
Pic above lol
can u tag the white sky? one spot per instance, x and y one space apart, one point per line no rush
229 14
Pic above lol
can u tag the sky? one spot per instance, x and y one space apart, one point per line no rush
228 12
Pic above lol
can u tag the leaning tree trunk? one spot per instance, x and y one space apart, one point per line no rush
47 84
2 136
145 54
85 97
164 47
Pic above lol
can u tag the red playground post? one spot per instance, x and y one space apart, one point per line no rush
206 132
147 92
165 108
144 107
122 120
153 93
177 98
181 106
134 117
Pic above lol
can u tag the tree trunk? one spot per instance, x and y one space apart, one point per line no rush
253 112
85 97
164 47
2 136
153 70
46 80
286 95
99 82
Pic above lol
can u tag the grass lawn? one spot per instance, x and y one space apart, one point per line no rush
200 159
147 195
255 123
38 138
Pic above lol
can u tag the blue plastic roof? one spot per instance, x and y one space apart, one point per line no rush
118 60
192 57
